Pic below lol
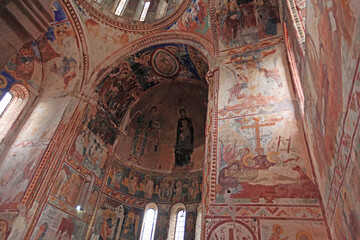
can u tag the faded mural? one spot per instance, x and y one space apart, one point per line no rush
136 74
115 220
272 230
56 223
16 173
154 187
262 159
127 143
164 130
332 108
241 22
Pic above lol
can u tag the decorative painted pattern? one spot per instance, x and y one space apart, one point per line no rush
347 141
269 211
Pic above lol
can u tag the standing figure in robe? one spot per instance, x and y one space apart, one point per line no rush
184 140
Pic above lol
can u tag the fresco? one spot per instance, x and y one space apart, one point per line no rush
259 153
90 205
60 54
190 225
55 223
100 127
196 19
255 78
155 187
133 76
115 220
24 68
69 186
16 172
103 40
164 63
227 229
6 82
242 22
89 150
331 108
162 225
164 130
299 230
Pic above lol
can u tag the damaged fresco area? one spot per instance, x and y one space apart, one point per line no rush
115 220
255 78
155 187
164 130
261 160
241 22
56 223
135 75
94 136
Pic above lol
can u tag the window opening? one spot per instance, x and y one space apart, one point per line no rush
180 225
149 224
12 105
120 8
5 102
144 11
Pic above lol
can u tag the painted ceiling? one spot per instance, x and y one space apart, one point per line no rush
127 82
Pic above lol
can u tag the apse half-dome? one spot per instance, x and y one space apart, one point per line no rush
157 98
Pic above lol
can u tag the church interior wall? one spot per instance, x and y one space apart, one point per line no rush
332 109
260 166
268 172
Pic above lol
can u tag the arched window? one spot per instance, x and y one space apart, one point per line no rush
4 102
180 225
149 222
17 98
177 222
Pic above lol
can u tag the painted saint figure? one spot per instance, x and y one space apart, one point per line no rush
184 140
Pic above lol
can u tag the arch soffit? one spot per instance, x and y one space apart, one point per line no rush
80 37
196 41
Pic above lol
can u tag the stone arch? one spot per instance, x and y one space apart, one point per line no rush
196 41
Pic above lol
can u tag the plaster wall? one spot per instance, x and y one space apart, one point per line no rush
331 89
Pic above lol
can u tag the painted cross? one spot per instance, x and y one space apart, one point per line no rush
257 126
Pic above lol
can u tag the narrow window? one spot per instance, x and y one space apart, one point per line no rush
98 1
11 105
144 11
120 8
180 225
149 222
5 102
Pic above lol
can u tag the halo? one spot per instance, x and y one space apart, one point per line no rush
4 80
276 226
246 157
302 232
270 159
232 162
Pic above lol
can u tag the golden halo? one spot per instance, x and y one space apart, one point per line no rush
3 83
302 233
246 157
270 159
232 162
276 226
